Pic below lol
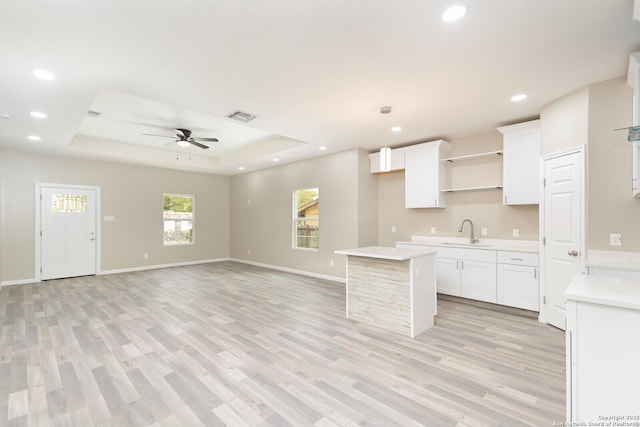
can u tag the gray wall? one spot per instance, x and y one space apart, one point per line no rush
262 206
133 194
483 207
589 117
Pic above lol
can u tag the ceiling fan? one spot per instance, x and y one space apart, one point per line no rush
183 138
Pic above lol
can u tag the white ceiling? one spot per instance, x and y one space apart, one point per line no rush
314 72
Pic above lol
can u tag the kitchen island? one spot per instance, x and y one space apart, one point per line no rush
392 288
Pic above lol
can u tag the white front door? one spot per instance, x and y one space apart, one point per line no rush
68 232
562 232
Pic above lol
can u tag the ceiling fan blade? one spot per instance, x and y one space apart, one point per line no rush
206 139
161 136
185 132
197 144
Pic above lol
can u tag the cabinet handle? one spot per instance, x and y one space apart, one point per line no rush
461 265
535 273
505 199
517 259
435 202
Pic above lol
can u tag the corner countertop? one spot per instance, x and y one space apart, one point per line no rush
483 244
621 292
382 252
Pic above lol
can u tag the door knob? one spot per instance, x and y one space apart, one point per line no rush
573 253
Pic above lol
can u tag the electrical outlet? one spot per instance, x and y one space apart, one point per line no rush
433 230
516 232
331 263
615 239
484 231
146 256
248 251
393 228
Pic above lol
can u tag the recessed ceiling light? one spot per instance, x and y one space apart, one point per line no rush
43 74
38 115
454 13
322 148
396 129
33 138
276 160
240 168
5 116
519 97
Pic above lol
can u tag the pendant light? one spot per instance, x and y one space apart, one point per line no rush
385 152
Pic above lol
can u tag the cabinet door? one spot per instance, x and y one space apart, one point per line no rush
448 276
478 280
520 172
423 177
518 286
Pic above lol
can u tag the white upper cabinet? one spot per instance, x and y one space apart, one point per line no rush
520 163
424 176
397 160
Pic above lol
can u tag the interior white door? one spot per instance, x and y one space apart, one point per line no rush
68 232
562 231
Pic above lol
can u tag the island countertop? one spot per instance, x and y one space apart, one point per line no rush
383 252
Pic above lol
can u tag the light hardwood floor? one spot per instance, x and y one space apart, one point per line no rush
231 344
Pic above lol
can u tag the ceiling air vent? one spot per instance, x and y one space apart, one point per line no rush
241 116
95 114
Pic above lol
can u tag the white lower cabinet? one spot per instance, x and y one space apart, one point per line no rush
502 277
448 276
467 273
602 348
518 284
478 280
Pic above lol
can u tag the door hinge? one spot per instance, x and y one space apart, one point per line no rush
544 300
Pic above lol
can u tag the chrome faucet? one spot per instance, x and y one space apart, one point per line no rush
472 239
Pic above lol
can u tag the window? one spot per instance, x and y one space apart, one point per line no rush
65 203
306 215
178 219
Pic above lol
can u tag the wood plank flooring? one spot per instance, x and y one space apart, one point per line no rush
237 345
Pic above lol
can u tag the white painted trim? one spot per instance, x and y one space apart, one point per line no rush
38 225
158 266
18 282
582 150
290 270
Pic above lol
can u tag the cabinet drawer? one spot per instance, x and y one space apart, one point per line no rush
518 258
465 254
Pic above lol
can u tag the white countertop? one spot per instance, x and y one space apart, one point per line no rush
483 244
383 252
614 291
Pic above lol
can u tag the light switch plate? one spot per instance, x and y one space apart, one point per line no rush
516 232
484 231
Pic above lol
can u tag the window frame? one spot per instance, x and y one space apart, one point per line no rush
192 221
296 219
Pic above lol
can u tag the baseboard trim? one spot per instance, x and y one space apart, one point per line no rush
290 270
204 261
18 282
157 266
